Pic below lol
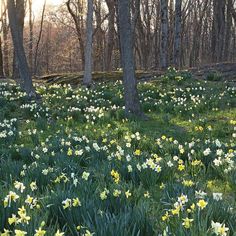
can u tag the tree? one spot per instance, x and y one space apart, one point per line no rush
2 75
110 34
77 17
30 35
1 61
177 41
218 29
89 45
164 33
132 103
39 38
5 30
20 16
17 39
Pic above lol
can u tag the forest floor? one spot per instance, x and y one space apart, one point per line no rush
213 72
73 163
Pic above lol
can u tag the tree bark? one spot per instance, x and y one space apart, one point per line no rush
164 34
5 47
39 39
132 103
177 40
111 34
228 34
20 16
2 75
89 45
218 29
19 49
30 36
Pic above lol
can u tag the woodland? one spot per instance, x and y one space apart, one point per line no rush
117 117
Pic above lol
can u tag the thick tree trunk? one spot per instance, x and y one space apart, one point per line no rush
20 15
177 40
132 103
89 45
164 34
111 34
228 34
2 75
218 30
19 49
98 55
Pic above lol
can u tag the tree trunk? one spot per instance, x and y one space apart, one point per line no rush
20 15
1 61
164 34
228 34
39 39
218 30
19 49
177 40
5 30
78 20
132 103
89 45
111 34
30 37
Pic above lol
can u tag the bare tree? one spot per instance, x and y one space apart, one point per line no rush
177 40
19 49
110 34
77 16
89 45
39 38
30 36
2 75
164 34
5 30
218 29
132 103
20 16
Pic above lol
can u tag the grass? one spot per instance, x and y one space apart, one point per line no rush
74 164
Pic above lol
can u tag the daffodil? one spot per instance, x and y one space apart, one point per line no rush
76 202
116 176
187 222
147 195
137 152
40 232
128 194
11 197
58 233
33 186
88 233
116 193
85 175
181 167
66 203
20 232
219 229
6 232
202 204
13 219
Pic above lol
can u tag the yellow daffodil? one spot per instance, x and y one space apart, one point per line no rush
187 222
202 204
128 194
40 232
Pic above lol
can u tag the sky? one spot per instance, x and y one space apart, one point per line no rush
38 5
